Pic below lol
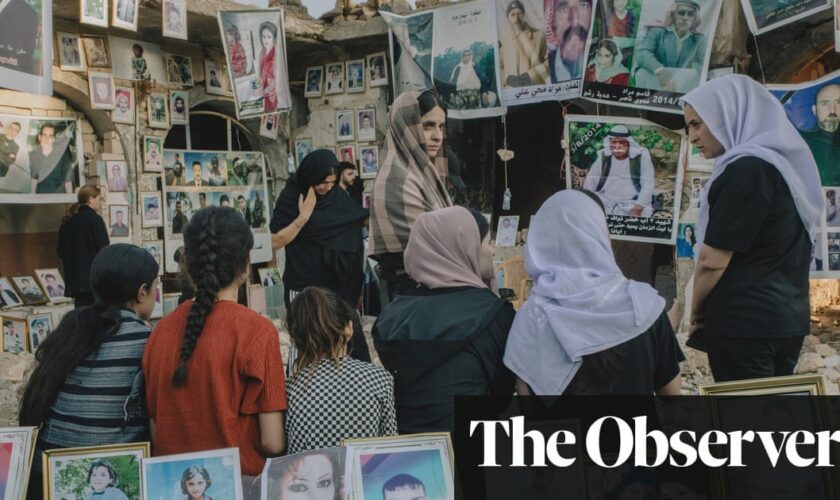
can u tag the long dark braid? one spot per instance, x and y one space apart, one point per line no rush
217 242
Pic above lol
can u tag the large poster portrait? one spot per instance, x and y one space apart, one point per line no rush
255 46
530 30
39 156
411 50
649 53
633 166
766 15
136 60
26 46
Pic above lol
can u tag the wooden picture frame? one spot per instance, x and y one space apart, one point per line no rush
101 90
97 55
38 327
29 290
124 14
158 110
13 337
71 54
94 12
52 283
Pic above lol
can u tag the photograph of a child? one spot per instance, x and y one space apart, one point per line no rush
400 475
137 60
89 474
317 474
14 335
314 82
203 475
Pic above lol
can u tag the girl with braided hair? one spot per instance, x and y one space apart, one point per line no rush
213 363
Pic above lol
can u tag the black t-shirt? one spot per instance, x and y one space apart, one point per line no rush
639 366
763 293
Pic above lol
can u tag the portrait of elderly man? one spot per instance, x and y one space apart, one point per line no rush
523 50
567 30
670 56
824 138
622 175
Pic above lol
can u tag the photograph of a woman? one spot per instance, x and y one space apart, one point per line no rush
607 66
686 241
316 475
268 39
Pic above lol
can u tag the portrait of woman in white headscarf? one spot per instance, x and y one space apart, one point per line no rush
758 216
585 328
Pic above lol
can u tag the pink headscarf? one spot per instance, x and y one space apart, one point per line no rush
444 249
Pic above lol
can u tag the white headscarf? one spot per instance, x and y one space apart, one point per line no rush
749 121
581 303
621 132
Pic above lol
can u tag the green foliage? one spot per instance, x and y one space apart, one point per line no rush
70 476
586 140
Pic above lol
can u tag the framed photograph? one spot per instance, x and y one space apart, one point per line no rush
369 164
14 334
94 12
179 70
123 105
366 125
29 290
366 198
334 74
97 53
69 49
17 449
215 473
170 302
118 216
355 76
270 276
214 78
137 60
314 82
377 70
347 153
155 249
157 311
38 327
124 14
344 125
506 231
268 125
52 283
101 88
810 384
116 172
303 147
427 459
8 294
174 20
288 476
158 111
179 102
152 153
110 471
151 215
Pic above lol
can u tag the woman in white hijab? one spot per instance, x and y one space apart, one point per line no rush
585 328
758 216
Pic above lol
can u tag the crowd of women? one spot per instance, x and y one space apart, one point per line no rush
210 374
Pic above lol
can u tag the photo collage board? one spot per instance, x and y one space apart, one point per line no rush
198 179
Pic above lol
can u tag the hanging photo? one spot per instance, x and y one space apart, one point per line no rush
94 12
17 445
53 284
344 125
179 70
101 88
268 126
175 19
117 174
136 60
97 53
155 249
270 276
506 231
111 471
152 153
157 110
14 335
214 474
347 154
765 15
214 78
39 156
355 76
634 167
335 78
29 290
179 100
633 57
366 124
151 212
314 82
124 105
38 327
255 47
69 48
302 148
124 14
118 217
8 294
369 156
377 72
411 50
286 476
541 48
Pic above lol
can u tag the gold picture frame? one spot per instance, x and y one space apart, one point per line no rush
53 460
814 383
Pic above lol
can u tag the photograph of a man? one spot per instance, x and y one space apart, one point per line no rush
567 28
8 147
622 175
50 165
54 288
197 180
29 290
117 181
179 219
119 228
824 138
522 47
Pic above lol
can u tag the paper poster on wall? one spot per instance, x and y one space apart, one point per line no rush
634 167
136 60
197 179
26 46
455 45
255 47
814 109
650 53
40 156
541 49
765 15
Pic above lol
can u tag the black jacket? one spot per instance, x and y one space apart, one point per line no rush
439 344
79 240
